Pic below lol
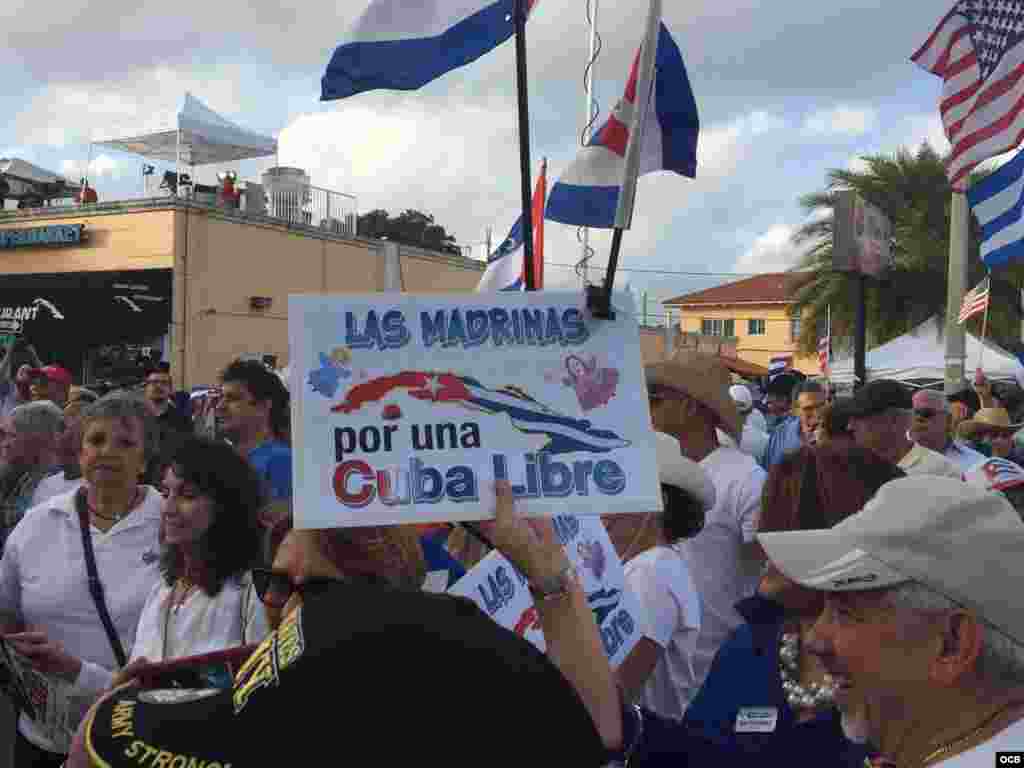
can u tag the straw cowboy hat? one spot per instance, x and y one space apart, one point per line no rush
702 377
989 420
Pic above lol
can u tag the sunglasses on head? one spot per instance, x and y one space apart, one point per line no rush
274 588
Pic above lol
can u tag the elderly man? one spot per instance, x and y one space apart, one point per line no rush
934 643
932 428
51 382
689 398
880 422
29 452
800 429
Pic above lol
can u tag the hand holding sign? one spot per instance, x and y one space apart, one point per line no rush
530 545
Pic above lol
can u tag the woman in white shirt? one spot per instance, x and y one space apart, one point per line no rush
66 630
657 574
211 540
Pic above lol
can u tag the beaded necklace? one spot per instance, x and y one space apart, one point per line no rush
799 696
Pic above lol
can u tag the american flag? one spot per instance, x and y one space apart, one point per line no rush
975 301
977 50
824 347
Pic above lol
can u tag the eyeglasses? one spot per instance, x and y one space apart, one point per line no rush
925 413
275 588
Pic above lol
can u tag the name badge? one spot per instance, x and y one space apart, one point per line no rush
757 720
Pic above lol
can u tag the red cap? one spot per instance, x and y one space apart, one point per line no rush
53 373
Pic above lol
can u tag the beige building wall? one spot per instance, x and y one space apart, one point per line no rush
131 240
227 260
760 349
220 261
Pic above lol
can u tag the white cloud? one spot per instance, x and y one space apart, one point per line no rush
840 121
720 148
104 165
774 251
63 114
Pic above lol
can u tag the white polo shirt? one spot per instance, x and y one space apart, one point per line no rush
44 584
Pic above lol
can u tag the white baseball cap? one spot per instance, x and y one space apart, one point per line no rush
740 395
956 539
675 469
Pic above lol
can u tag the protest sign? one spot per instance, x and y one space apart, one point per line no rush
407 408
502 593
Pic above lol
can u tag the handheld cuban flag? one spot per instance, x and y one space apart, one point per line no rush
997 201
403 45
505 267
587 194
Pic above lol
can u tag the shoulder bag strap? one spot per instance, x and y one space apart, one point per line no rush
95 585
246 591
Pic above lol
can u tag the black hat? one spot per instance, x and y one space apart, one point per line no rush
880 395
358 669
968 397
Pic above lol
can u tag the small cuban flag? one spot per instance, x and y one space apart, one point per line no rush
505 267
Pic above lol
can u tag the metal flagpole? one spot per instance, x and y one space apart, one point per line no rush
956 355
177 164
588 126
519 18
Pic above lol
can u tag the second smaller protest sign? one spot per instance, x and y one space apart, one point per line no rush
502 593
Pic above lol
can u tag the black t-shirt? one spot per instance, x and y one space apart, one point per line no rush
368 675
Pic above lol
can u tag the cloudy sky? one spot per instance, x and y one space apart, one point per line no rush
786 90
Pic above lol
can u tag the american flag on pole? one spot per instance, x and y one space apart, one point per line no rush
824 348
975 301
977 49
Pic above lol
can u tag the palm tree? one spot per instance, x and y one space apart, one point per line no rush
912 189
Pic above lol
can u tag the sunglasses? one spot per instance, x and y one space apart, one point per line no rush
925 413
275 588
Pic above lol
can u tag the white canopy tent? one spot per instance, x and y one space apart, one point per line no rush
193 135
919 357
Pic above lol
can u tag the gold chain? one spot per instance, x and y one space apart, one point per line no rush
964 740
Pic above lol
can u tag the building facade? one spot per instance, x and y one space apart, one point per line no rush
97 288
755 312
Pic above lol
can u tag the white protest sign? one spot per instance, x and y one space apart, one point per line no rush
502 593
406 408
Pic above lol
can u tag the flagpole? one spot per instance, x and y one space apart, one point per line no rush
588 125
519 19
956 351
627 193
828 348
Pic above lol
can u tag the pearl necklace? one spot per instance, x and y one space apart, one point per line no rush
799 696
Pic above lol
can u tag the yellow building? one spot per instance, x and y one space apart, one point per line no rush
99 287
754 312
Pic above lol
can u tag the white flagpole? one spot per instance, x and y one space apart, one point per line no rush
588 123
644 83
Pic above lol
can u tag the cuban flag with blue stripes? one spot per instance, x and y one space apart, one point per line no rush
505 266
998 201
587 194
402 45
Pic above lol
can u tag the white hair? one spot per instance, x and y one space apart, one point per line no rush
1001 661
41 417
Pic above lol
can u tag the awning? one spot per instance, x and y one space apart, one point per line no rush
744 368
206 137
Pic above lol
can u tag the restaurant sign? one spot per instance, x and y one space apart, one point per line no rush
59 234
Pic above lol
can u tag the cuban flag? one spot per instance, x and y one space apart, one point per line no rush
403 45
506 266
998 202
564 434
587 194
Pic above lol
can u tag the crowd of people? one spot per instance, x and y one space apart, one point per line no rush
829 582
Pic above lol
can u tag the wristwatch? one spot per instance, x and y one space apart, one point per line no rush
552 587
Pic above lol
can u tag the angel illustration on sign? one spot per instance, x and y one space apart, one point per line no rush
594 386
592 557
333 368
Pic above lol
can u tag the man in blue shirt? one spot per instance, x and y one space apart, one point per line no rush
254 410
795 431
